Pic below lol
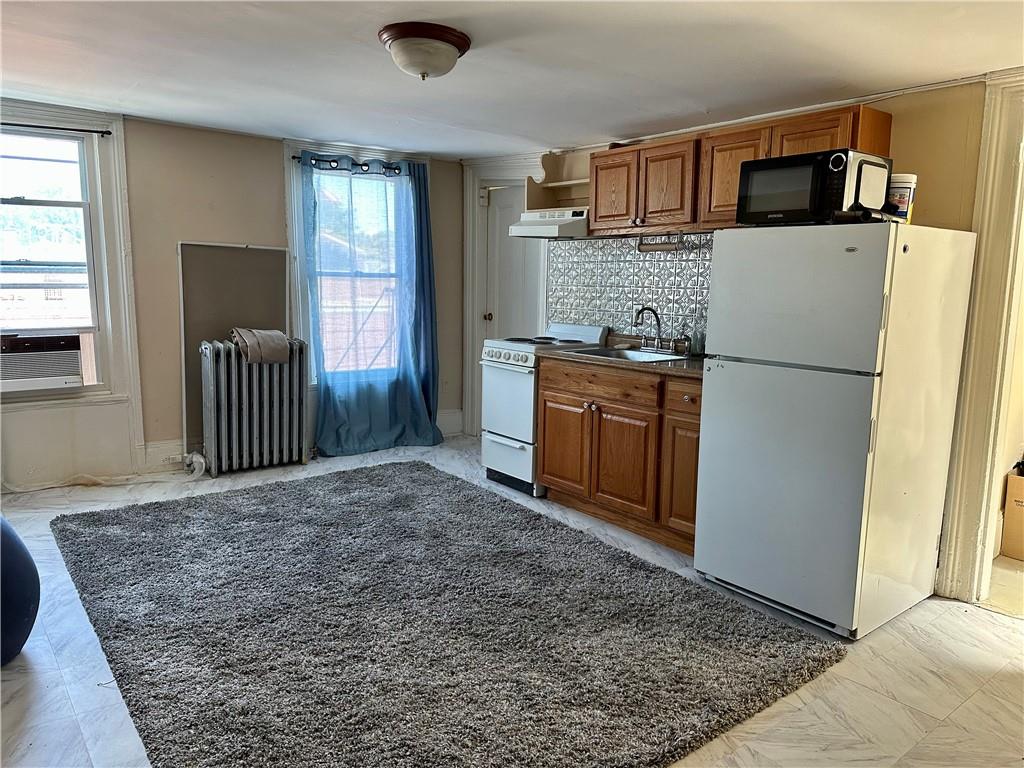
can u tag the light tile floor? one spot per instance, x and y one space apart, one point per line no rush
1007 593
941 685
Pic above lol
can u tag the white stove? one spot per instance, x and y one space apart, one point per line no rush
509 439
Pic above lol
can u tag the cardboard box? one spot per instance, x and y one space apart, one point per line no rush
1013 517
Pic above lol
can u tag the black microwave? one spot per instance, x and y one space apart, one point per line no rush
817 187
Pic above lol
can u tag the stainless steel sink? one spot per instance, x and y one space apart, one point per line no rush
634 355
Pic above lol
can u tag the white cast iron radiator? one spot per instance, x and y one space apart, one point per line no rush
253 415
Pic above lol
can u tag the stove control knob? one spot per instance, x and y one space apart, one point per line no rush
517 357
506 356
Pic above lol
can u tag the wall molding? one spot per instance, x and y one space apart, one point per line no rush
450 422
973 490
162 456
477 175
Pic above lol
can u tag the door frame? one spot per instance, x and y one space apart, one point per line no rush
477 176
975 483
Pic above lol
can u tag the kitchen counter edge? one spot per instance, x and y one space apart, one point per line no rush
685 369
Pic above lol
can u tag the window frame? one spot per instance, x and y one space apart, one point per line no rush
115 351
87 172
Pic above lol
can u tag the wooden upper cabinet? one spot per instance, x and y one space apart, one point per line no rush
857 127
613 189
679 453
813 133
683 183
565 424
721 156
625 459
668 174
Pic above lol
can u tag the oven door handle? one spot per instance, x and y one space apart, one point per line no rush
507 367
505 441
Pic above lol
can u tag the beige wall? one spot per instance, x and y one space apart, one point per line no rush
446 227
1013 420
210 186
937 135
189 184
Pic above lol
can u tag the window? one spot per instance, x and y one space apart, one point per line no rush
356 272
47 288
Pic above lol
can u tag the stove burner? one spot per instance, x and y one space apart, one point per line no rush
518 339
541 342
544 339
569 341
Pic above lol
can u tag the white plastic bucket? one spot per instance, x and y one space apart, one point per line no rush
902 189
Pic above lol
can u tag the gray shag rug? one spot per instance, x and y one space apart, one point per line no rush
398 617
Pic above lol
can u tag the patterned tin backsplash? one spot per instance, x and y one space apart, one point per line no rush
604 281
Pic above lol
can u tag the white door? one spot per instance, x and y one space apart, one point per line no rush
515 271
780 484
515 278
811 296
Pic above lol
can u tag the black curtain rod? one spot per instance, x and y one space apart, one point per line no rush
387 164
58 128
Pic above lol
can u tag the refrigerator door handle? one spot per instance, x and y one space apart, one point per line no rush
885 310
873 435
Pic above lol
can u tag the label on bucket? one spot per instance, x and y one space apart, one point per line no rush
903 199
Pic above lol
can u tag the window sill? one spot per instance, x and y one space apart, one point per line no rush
12 402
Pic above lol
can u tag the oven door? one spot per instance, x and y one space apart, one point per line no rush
783 190
509 399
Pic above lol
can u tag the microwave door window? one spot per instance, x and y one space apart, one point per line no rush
781 189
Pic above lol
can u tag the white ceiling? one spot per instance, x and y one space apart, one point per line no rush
539 75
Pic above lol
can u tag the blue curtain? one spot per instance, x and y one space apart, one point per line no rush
370 273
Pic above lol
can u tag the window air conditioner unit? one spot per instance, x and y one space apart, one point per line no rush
40 362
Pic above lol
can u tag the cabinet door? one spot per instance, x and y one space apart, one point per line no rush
720 161
814 133
667 180
564 427
613 188
625 459
679 446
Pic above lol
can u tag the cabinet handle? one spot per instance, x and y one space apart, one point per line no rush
593 406
640 221
586 404
686 398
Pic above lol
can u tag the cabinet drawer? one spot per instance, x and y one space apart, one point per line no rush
601 384
684 396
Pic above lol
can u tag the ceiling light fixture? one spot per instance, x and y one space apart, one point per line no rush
423 49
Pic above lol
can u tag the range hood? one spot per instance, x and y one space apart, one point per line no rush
563 222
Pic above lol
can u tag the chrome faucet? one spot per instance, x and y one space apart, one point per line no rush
657 322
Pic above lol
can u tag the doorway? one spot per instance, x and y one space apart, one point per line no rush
505 279
515 272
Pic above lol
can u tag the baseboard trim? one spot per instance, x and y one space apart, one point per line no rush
162 456
450 422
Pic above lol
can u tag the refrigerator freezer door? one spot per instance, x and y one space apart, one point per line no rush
808 296
781 483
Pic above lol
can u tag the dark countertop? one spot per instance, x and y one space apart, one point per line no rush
687 369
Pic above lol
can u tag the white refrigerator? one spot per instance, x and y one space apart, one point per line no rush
828 414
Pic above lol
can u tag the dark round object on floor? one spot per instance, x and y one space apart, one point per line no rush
19 592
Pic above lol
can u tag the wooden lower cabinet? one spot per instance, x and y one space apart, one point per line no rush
565 427
680 444
625 460
621 449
